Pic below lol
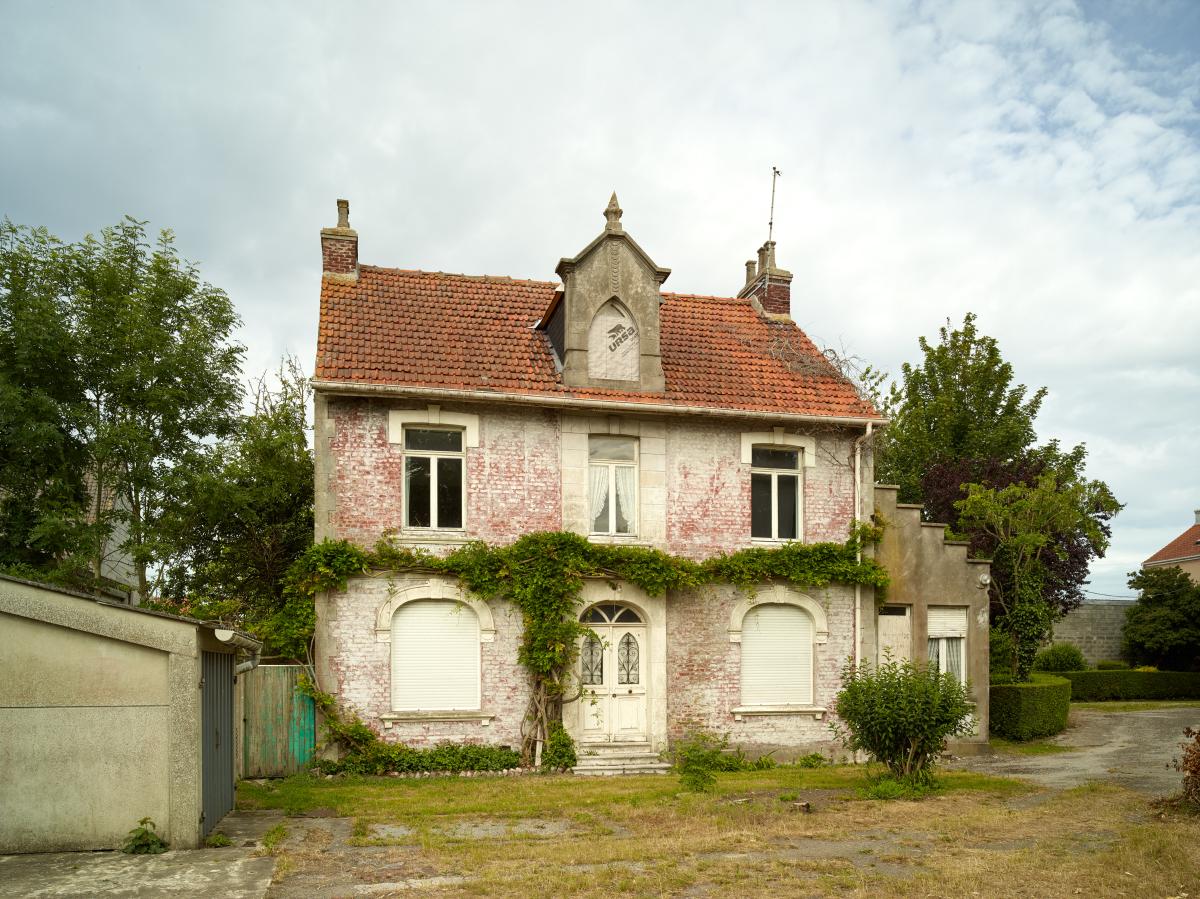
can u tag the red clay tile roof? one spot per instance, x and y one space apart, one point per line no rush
430 329
1186 545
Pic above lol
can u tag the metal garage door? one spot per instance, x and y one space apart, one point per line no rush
216 723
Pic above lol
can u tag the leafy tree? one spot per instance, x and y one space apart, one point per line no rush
161 376
118 369
1163 627
960 424
1065 556
247 515
42 459
1021 521
958 404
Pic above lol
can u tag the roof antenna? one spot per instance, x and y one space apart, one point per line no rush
775 173
769 246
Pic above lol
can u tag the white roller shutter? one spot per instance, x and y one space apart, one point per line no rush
435 657
945 621
777 646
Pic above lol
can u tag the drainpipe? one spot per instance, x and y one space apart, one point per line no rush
233 638
858 516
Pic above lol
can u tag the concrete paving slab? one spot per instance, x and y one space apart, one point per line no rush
233 873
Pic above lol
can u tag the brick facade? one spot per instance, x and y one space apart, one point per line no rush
521 478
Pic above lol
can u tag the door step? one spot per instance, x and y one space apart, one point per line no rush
617 758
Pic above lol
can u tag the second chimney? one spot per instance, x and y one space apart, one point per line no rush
339 245
769 284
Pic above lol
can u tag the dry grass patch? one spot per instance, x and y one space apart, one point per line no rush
641 836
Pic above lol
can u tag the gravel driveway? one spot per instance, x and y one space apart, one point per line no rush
1133 749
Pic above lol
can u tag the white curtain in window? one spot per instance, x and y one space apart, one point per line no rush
934 645
954 653
598 492
625 476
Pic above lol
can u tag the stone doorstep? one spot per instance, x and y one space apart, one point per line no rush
619 758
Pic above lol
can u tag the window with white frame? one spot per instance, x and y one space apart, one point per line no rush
435 657
777 656
775 493
434 481
948 641
612 484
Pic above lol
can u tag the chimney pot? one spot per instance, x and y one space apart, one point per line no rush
343 207
762 259
1197 514
750 271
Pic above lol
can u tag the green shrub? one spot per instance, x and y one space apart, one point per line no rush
1112 665
144 840
812 760
379 757
1035 709
559 754
698 757
1101 686
902 714
1060 657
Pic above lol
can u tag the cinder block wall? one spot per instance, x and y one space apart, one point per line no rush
1096 628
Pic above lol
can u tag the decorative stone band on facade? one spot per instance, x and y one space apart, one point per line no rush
779 594
434 588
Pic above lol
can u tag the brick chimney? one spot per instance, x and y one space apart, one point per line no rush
339 246
769 284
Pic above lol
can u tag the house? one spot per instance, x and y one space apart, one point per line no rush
1182 552
109 714
455 407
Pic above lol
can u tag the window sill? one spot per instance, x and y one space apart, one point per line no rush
484 718
432 535
618 539
755 711
773 541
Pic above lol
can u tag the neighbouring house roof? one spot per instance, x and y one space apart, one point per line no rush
1185 546
393 327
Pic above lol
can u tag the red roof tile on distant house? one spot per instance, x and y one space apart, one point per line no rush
1185 546
393 327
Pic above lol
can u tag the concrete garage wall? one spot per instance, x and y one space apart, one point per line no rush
1096 628
99 721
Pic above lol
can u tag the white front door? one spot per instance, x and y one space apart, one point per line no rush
612 670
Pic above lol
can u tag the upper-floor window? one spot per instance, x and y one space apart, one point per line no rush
775 493
434 482
612 484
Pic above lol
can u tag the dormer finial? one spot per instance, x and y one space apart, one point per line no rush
613 214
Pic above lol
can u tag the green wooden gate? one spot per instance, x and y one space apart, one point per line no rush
279 722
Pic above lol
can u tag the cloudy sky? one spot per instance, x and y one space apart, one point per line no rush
1038 164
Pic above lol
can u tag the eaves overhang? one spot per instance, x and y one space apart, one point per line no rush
628 407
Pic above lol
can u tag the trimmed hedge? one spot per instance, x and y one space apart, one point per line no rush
1099 686
1030 710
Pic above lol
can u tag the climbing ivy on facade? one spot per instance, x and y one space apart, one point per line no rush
543 574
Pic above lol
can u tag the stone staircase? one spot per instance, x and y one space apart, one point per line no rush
601 759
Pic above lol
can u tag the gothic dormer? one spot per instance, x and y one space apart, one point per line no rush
610 306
